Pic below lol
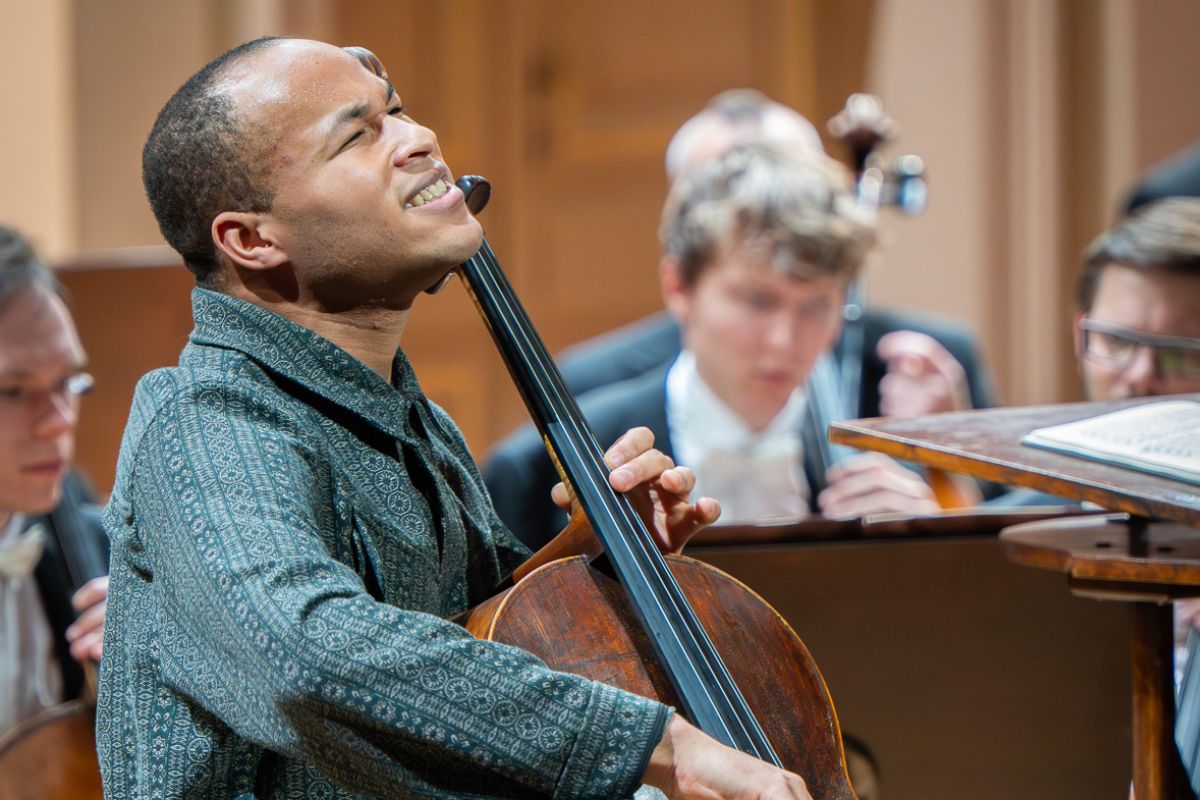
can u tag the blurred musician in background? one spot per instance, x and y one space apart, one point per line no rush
1137 320
1137 327
48 624
759 246
1137 333
911 365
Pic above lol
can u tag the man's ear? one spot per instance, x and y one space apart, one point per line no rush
245 240
677 297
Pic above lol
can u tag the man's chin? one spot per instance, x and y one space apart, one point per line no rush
472 240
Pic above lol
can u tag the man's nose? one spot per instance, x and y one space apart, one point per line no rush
412 141
56 413
1141 375
782 332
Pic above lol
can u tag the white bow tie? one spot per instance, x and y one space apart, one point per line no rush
762 482
20 555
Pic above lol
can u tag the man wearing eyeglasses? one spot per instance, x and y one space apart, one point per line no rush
1137 331
45 626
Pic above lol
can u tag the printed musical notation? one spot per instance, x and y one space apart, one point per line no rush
1161 438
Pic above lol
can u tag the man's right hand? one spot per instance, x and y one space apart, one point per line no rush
922 377
688 763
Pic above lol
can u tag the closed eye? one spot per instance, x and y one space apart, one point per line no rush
353 138
396 111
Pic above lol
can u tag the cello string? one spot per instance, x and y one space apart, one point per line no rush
536 357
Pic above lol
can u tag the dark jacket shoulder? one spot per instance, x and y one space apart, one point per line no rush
519 474
621 354
76 551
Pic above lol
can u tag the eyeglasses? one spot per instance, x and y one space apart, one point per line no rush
17 398
1114 346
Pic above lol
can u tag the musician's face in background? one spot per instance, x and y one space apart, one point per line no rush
347 165
1150 302
755 332
39 350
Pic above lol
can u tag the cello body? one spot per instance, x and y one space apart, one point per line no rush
52 755
579 620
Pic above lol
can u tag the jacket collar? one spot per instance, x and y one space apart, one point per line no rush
301 356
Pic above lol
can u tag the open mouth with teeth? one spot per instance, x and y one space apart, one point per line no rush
430 193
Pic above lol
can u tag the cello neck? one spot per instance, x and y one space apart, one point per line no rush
709 696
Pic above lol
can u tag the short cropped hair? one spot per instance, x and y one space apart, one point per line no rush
1164 235
199 160
794 209
20 268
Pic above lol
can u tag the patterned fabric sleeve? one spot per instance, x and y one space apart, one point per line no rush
256 623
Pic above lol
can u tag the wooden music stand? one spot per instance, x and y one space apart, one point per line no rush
1129 558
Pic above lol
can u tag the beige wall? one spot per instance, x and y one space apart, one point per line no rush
39 127
131 55
83 82
1166 110
927 65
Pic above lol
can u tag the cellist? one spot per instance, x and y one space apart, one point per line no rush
293 520
48 621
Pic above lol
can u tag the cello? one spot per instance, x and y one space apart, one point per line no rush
52 756
666 627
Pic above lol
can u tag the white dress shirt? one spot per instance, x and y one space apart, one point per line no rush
756 476
30 679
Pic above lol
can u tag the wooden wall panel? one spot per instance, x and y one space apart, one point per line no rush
131 55
131 320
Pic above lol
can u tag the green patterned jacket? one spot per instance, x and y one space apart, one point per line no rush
289 533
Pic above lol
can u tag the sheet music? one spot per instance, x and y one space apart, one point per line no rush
1162 438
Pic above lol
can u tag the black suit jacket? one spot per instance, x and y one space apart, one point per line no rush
73 526
519 474
878 322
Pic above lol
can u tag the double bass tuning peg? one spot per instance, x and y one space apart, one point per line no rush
864 126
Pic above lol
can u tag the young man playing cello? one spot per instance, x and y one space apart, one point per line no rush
293 520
